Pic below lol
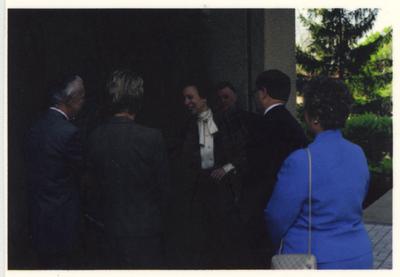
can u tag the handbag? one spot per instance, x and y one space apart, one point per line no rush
298 261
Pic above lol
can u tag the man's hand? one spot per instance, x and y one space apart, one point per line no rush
218 173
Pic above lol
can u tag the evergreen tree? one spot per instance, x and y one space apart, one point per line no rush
334 49
375 77
372 86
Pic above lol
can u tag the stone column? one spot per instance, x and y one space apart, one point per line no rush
279 46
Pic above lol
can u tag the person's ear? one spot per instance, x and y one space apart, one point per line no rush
315 121
308 119
264 93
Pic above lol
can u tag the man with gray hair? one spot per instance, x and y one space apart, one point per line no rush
54 160
128 164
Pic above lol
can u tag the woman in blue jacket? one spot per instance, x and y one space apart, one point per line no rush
340 180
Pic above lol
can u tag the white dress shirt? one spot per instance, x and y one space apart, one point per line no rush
60 111
271 107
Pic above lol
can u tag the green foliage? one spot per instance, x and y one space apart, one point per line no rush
379 106
373 133
334 35
374 79
384 167
339 49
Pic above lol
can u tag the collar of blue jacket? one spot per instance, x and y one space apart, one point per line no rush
328 134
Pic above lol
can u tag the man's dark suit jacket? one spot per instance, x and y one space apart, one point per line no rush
129 164
53 160
283 135
211 212
278 135
273 138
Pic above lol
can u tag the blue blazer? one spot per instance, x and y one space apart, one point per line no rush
340 179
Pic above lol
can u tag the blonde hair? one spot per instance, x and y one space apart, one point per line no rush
125 89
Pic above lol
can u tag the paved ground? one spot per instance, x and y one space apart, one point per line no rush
380 211
378 221
381 237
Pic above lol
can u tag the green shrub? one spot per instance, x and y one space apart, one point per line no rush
384 167
380 106
373 133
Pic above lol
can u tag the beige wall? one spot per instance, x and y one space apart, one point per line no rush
279 45
243 43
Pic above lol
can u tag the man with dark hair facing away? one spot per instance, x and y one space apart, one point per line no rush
280 134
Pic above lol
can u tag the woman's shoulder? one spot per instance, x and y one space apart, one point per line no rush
298 156
354 150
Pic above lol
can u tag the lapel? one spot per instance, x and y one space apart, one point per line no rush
191 148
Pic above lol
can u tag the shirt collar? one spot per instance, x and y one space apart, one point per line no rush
272 106
60 111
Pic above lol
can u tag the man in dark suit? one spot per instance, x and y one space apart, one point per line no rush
279 135
244 127
54 160
282 132
129 166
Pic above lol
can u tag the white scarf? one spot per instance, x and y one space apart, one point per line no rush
205 120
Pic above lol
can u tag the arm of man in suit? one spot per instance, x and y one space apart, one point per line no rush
290 192
74 151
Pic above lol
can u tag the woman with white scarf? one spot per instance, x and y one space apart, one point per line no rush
211 167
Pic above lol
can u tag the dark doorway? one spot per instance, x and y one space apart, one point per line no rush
166 46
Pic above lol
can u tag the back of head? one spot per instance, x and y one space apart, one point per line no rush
61 91
125 91
276 83
329 101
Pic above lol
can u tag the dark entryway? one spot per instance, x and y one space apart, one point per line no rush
166 46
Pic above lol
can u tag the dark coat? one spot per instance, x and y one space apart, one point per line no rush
279 135
229 147
211 216
282 135
129 165
54 163
224 142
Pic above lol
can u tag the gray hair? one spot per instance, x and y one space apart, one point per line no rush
61 92
125 88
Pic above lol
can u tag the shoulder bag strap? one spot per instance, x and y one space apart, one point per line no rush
309 204
309 199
